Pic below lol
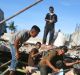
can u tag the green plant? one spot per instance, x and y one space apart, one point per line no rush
12 27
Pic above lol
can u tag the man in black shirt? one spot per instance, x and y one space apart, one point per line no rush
52 61
50 19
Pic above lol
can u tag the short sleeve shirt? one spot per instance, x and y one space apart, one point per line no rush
23 35
51 17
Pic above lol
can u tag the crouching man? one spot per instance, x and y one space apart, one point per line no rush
16 42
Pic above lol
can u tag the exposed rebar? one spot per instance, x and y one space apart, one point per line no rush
20 11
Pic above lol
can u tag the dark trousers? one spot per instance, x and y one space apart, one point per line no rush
44 70
49 29
77 71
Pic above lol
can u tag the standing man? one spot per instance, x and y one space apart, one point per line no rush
16 42
51 19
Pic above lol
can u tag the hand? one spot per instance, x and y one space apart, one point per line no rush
56 70
49 47
77 61
50 21
17 55
43 46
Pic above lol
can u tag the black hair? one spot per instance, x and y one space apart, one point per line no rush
34 50
51 7
64 48
38 43
36 28
59 30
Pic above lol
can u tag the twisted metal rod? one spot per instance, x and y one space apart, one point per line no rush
20 11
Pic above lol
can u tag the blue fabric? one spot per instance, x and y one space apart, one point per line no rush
14 61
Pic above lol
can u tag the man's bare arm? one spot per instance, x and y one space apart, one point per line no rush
17 45
47 20
72 63
51 66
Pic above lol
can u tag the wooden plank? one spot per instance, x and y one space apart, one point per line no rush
5 64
